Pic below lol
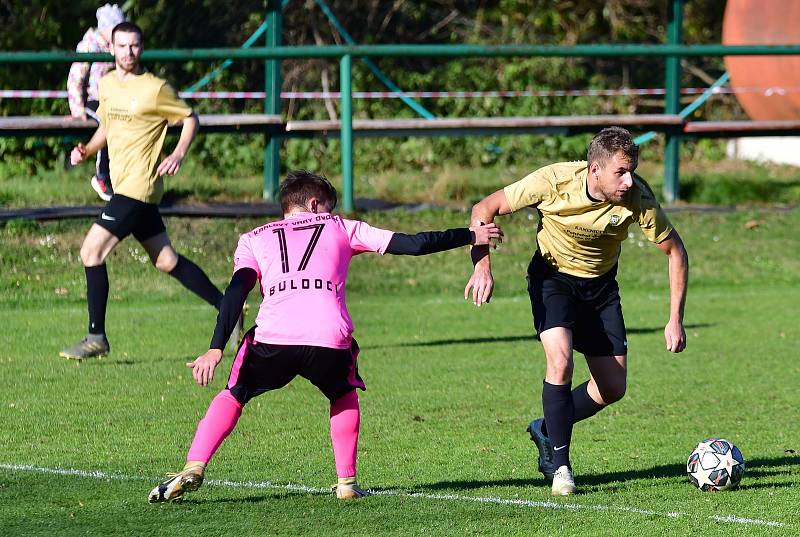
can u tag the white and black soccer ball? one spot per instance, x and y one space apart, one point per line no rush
715 464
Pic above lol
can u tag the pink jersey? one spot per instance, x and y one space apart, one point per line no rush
302 263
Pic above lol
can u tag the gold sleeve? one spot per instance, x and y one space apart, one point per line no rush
652 219
529 191
170 106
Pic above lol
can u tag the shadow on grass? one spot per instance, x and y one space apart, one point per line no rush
111 361
755 468
511 339
760 467
659 329
464 341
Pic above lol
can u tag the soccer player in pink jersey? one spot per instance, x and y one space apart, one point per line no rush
303 326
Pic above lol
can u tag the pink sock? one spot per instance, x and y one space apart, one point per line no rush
219 421
345 421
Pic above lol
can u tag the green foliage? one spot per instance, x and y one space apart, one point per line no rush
207 175
19 226
717 189
205 23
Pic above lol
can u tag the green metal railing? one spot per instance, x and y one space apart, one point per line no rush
272 53
417 51
272 100
672 102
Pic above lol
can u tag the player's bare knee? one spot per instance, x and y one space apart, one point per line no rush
164 259
165 262
559 369
90 257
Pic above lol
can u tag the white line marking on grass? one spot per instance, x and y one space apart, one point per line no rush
96 474
573 506
266 485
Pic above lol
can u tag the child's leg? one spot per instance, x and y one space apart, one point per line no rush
219 421
345 421
102 166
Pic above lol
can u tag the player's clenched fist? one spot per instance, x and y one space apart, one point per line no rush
487 234
78 154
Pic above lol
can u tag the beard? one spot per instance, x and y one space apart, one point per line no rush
127 64
617 196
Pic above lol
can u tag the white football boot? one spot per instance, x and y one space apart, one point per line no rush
563 482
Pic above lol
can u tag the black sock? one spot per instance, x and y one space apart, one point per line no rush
585 406
558 414
194 279
97 297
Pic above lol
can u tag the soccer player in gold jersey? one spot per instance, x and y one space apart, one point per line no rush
585 209
135 109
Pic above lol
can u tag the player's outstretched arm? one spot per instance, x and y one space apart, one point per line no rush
430 242
242 282
481 283
674 333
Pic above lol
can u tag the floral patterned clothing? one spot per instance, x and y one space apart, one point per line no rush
84 78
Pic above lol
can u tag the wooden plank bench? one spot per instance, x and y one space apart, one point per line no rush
485 125
565 125
737 129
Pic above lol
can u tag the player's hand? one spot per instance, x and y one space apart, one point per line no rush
80 116
170 165
675 336
78 154
481 283
487 234
203 366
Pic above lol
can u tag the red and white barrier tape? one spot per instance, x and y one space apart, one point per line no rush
312 95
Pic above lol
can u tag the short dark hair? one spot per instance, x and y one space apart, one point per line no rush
610 141
129 28
299 186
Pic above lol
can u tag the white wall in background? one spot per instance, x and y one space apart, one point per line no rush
777 149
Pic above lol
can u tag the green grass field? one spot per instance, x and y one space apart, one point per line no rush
451 389
702 182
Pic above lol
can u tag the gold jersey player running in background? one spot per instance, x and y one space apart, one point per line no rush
585 209
135 109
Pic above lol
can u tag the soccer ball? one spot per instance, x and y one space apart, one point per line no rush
715 464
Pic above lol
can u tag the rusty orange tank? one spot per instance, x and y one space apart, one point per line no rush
764 22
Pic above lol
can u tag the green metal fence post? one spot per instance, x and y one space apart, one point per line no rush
673 102
272 100
346 117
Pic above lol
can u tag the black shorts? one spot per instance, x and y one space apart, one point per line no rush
123 215
261 367
590 307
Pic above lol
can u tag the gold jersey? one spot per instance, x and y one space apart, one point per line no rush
578 235
135 113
